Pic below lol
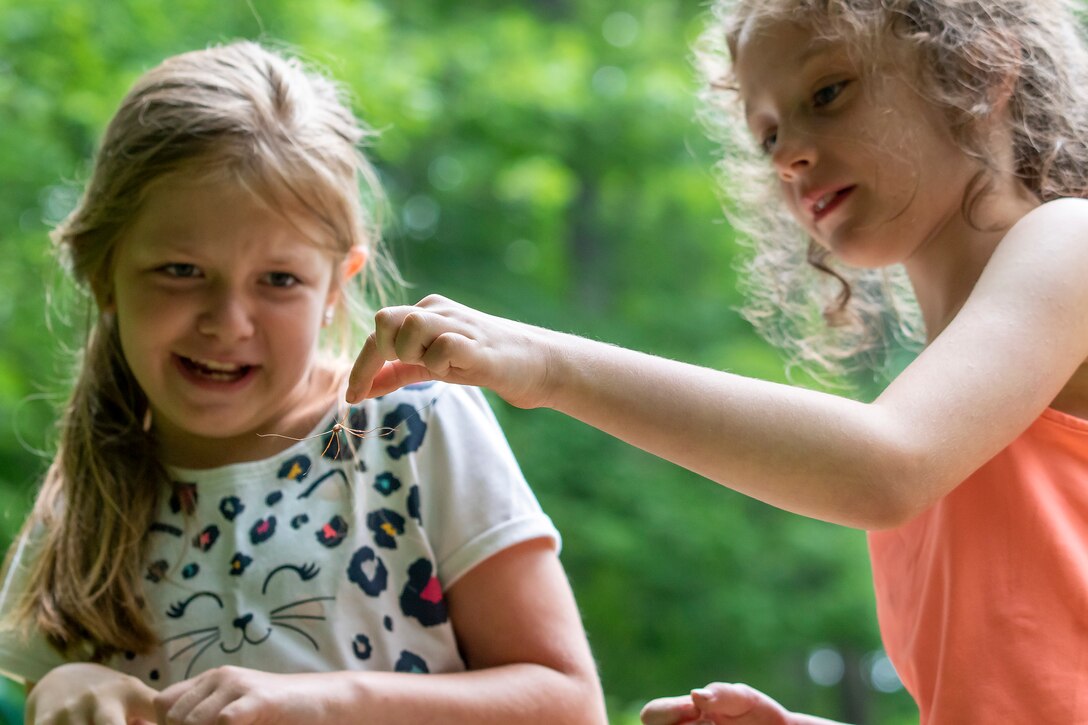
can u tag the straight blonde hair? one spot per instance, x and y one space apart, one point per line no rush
242 112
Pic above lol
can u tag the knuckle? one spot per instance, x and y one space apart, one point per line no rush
384 316
432 300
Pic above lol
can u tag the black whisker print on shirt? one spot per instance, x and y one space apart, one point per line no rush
190 633
278 616
275 613
299 631
207 636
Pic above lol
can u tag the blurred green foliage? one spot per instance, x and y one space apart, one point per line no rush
543 163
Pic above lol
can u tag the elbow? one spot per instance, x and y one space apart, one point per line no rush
897 493
889 512
588 699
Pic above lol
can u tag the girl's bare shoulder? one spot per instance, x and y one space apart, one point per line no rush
1070 212
1051 239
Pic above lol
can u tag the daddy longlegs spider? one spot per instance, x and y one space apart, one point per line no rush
342 426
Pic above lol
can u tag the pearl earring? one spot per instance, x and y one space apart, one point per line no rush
328 316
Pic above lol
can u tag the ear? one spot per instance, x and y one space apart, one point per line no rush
103 297
353 263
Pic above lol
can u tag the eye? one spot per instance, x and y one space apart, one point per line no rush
281 279
177 609
828 94
179 270
767 143
305 573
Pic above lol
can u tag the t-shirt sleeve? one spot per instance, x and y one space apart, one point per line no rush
476 502
24 656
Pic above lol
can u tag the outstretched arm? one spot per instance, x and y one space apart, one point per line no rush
519 632
1013 346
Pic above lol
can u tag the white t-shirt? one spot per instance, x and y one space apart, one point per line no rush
333 555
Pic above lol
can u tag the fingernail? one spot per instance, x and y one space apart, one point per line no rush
701 692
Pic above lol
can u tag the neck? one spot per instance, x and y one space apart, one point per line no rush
945 269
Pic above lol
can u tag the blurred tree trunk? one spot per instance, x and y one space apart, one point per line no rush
853 691
589 253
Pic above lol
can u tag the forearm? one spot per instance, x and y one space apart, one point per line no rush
511 693
812 453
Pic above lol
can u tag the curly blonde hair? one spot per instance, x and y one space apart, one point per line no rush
241 112
827 317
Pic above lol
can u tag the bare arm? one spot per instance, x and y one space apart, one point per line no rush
519 631
1015 343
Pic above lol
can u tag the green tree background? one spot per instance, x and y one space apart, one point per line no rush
543 163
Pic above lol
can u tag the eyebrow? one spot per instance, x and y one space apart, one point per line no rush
814 47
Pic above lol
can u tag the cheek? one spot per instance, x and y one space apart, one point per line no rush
294 333
793 206
896 175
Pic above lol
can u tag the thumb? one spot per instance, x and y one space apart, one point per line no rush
361 377
395 375
140 706
730 701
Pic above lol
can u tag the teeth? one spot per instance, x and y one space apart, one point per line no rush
218 366
822 202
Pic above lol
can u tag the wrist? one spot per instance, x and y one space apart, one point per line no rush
559 354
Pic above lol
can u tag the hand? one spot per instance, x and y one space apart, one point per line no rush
89 694
718 704
242 696
439 339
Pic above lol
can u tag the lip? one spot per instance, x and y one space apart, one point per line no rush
821 202
212 374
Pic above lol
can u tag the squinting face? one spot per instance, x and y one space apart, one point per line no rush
219 303
866 166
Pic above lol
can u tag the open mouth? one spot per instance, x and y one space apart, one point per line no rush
825 204
214 371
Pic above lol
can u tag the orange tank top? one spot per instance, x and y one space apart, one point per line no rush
983 599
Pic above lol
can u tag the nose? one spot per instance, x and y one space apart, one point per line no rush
242 621
226 315
794 154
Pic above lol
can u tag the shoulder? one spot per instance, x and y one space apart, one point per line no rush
434 417
1057 221
1033 287
1069 208
1048 245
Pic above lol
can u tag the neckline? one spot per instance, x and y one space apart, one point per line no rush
322 426
1067 420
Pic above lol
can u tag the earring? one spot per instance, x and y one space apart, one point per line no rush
147 420
329 311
